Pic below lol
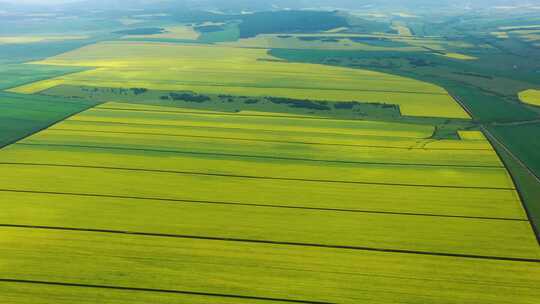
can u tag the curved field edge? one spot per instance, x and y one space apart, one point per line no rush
527 184
531 97
251 72
24 115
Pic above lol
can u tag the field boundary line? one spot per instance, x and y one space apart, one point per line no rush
239 114
47 126
139 289
104 122
258 156
491 137
520 162
251 176
271 242
177 200
463 105
206 84
266 140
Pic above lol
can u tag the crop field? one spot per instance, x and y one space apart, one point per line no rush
531 97
402 29
458 56
350 42
259 208
237 152
13 75
239 71
328 41
32 39
23 115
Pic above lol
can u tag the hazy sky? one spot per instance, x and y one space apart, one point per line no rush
37 1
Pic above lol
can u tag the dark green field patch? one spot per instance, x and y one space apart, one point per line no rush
229 32
523 140
13 75
289 21
23 115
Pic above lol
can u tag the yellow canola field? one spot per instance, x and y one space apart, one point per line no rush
248 72
531 97
33 39
457 56
310 229
472 135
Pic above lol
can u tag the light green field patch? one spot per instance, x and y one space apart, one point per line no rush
21 293
457 56
130 21
337 30
500 35
531 97
34 39
402 29
517 27
246 72
332 41
405 15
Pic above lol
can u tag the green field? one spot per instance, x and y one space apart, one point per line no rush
239 71
13 75
252 201
233 152
23 115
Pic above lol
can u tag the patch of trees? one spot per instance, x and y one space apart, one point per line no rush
300 103
189 97
349 105
138 91
473 74
289 22
419 62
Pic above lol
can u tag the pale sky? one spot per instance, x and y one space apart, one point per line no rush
37 1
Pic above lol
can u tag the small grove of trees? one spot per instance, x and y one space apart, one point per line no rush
189 97
300 103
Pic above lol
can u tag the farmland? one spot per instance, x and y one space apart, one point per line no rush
238 71
531 97
117 167
24 115
238 152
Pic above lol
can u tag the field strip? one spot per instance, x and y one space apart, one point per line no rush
252 176
260 156
320 274
495 141
239 114
350 127
137 289
175 200
45 127
206 84
271 242
78 120
268 141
